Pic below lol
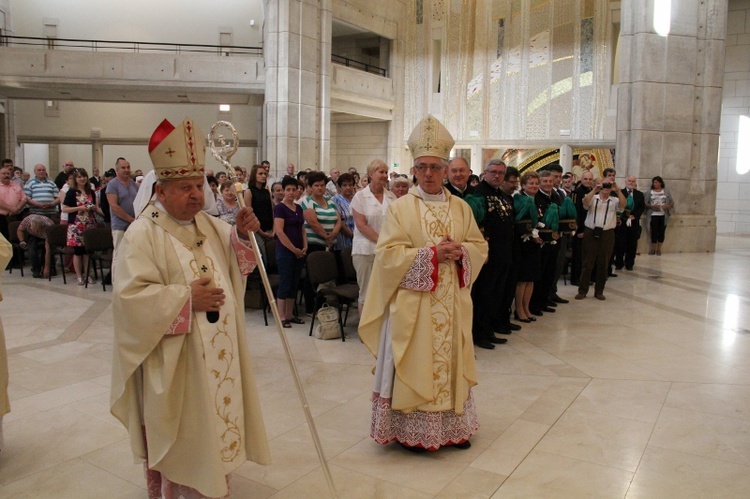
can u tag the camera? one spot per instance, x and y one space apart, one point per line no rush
606 185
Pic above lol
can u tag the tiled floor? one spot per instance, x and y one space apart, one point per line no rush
644 395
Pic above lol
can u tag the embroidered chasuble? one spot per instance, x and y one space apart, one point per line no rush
6 251
185 382
418 320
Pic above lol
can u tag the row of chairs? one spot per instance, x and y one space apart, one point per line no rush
321 267
97 241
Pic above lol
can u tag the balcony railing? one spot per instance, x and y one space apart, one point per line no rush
126 46
351 63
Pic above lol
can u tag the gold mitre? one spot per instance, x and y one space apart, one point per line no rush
431 138
179 152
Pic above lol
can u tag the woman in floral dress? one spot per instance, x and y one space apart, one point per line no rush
81 206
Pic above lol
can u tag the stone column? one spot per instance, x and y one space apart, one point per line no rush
668 112
296 112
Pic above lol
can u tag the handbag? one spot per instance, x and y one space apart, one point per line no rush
328 327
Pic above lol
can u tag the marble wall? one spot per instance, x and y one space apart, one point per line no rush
668 110
733 189
356 144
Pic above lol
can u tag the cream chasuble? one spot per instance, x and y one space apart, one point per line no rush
184 381
422 311
219 343
6 252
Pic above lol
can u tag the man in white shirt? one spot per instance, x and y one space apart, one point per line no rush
599 234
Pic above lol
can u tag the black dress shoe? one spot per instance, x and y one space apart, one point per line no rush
512 327
503 331
548 309
515 315
574 283
462 445
557 299
416 450
629 268
611 274
485 344
618 268
498 341
538 313
552 304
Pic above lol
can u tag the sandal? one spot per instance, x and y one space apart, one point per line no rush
286 324
296 320
80 281
91 280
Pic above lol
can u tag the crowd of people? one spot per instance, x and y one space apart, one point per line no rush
445 260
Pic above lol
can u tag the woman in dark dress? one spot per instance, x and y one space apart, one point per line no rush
291 249
527 247
258 197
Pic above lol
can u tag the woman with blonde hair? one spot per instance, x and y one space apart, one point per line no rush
369 207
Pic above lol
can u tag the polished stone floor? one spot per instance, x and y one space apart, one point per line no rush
644 395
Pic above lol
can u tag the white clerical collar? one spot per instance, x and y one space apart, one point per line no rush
431 197
158 204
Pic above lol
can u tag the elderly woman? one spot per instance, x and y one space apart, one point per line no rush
227 203
322 224
400 185
369 207
659 202
343 202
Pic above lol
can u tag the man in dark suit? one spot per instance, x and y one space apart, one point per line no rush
458 177
629 231
546 197
490 308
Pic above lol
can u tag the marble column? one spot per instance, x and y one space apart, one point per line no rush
669 109
296 112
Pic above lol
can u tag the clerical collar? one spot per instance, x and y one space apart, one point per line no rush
431 197
158 204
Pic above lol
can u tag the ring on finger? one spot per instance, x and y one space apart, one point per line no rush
216 304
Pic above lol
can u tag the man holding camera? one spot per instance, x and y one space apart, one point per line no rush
599 234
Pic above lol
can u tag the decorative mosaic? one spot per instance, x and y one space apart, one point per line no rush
587 44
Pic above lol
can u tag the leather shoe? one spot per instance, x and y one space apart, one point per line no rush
580 296
512 327
552 304
548 309
521 320
498 341
503 331
538 313
462 445
600 297
557 299
629 268
416 450
485 344
611 274
618 268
